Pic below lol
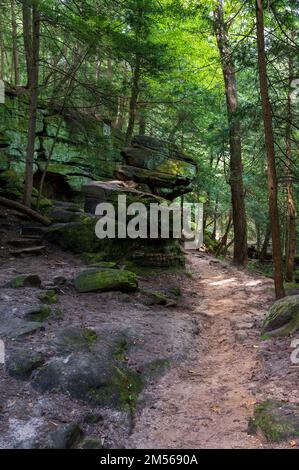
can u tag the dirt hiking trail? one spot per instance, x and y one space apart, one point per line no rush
206 403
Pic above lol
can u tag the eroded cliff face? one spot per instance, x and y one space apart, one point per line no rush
83 149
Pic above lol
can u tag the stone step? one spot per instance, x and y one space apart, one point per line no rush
33 231
21 243
35 250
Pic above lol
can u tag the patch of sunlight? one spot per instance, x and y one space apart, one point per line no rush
223 282
252 283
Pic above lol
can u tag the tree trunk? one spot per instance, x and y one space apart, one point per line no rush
236 169
27 37
270 150
258 237
2 68
142 124
291 205
133 100
97 68
221 248
263 253
33 80
15 52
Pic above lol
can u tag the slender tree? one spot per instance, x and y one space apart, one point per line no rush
33 69
15 51
236 168
291 205
270 150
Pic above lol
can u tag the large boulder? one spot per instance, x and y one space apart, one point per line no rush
283 317
162 166
106 280
90 368
98 192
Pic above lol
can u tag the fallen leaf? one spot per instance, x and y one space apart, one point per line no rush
293 443
216 409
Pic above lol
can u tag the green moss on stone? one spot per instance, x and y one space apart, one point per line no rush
22 363
24 280
90 443
48 297
40 314
105 280
277 420
129 385
283 317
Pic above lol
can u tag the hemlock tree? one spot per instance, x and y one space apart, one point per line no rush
236 168
270 150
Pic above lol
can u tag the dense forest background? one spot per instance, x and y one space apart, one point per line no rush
217 78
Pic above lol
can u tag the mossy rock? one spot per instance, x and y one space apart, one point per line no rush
154 298
65 437
40 314
210 242
278 421
24 280
76 236
106 280
21 363
48 297
92 378
72 339
90 442
283 317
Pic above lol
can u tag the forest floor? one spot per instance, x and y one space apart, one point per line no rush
206 402
216 366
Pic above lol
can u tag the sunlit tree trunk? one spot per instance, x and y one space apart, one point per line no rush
236 169
270 150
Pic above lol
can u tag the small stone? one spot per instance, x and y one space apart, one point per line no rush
48 296
21 363
91 443
26 329
24 280
59 281
65 437
244 326
39 314
283 317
